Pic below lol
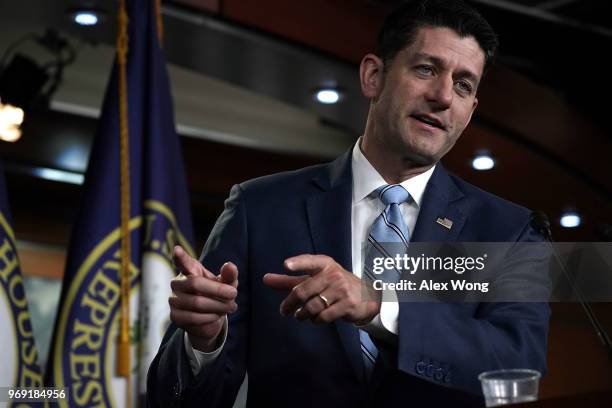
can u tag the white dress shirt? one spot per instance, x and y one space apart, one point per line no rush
364 210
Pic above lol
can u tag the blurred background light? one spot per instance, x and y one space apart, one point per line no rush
570 219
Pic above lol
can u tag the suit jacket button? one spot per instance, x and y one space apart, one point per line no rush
447 377
420 367
429 370
176 390
439 374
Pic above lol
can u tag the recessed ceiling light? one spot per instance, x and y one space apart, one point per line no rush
85 18
570 219
483 161
328 96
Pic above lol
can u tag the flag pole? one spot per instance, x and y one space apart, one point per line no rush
160 24
123 349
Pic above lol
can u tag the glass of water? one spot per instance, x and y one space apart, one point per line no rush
501 387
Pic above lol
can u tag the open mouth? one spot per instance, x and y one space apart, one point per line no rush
429 120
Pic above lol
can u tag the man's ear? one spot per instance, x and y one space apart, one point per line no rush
371 76
475 104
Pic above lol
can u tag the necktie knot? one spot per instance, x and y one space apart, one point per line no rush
393 194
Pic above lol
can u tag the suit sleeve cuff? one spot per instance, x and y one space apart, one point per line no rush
199 359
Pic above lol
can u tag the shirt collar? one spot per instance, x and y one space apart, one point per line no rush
366 178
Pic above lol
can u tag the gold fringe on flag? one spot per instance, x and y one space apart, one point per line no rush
160 24
123 346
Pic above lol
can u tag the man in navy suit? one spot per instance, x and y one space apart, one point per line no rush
300 334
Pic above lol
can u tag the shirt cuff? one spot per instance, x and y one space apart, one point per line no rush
389 316
384 326
200 359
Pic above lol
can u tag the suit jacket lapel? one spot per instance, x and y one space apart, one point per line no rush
329 217
442 199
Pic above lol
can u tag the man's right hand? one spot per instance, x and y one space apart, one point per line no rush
200 300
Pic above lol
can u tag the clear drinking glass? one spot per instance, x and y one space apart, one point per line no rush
501 387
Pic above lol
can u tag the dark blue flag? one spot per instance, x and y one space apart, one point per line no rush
19 366
83 356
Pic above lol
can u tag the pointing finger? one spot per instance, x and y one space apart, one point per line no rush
283 282
306 263
187 265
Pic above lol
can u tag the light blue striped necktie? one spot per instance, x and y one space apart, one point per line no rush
389 227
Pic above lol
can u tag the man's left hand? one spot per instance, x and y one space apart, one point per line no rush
324 279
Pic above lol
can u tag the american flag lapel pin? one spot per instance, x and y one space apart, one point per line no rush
445 222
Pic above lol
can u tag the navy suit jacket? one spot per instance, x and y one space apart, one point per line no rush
442 346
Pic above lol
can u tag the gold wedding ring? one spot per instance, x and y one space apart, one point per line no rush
324 299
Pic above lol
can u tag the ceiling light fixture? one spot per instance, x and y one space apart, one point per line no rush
483 161
570 219
85 18
327 96
11 119
26 84
61 176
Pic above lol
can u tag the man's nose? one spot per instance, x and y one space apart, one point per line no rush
440 93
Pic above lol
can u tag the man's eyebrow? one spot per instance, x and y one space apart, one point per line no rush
463 73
